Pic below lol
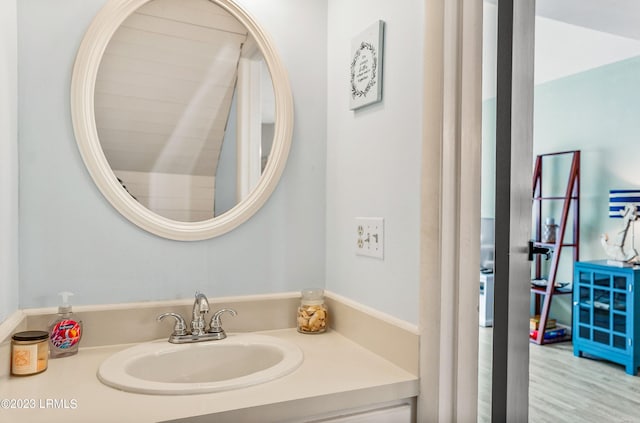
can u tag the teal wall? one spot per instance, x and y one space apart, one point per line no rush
597 112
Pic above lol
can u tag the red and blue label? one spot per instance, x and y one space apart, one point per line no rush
66 334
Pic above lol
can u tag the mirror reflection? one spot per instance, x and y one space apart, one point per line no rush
184 109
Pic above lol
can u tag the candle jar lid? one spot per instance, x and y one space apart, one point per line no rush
313 296
30 335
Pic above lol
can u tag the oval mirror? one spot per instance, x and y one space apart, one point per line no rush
182 112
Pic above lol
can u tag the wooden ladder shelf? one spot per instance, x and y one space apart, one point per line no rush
570 205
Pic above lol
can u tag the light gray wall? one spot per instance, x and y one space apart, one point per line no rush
342 163
8 159
71 239
373 158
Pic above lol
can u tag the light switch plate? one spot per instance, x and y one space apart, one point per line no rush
370 237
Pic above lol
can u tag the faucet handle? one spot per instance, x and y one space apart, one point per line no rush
216 321
180 327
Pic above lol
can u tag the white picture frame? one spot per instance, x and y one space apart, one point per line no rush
366 66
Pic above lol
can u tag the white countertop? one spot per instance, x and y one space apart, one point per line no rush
334 368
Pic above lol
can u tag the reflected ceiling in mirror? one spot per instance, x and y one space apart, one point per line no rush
166 107
182 113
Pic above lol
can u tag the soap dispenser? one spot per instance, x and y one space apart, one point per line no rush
65 330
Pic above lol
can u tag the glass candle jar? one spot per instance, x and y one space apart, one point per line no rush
549 231
312 312
29 352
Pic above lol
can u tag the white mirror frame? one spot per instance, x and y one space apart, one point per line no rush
83 83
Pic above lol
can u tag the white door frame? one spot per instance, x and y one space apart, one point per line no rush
450 212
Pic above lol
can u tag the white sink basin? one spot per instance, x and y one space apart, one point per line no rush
238 361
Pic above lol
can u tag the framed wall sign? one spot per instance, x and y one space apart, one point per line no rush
366 66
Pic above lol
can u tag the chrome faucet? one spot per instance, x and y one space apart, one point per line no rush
200 308
198 332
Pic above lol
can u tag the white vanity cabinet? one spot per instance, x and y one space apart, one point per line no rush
399 411
402 413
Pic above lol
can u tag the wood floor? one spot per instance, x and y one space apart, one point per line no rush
564 388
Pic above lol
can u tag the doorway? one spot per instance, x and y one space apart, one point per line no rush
585 92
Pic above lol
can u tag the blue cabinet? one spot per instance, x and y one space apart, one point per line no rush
604 304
